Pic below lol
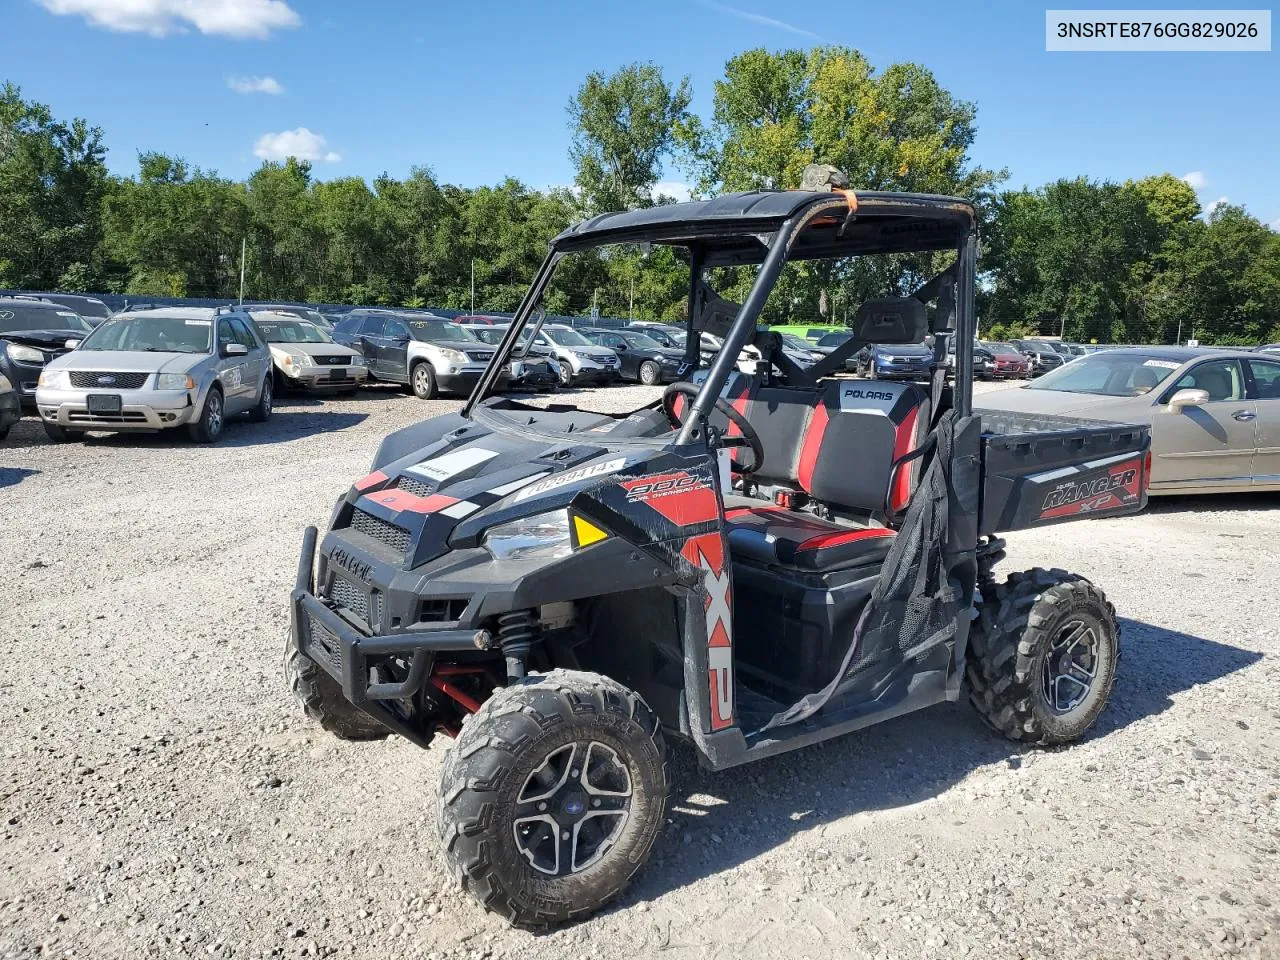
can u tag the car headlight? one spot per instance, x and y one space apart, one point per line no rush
453 356
295 360
174 381
359 362
544 536
54 380
17 351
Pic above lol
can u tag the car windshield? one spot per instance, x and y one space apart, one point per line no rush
641 342
798 343
151 334
566 337
1001 348
1109 375
834 339
16 317
292 331
488 334
440 330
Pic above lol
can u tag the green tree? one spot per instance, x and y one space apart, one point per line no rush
623 126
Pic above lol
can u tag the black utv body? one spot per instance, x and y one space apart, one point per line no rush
756 564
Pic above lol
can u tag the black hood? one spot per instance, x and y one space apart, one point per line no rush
48 339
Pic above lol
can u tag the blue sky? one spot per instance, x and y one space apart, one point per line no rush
477 91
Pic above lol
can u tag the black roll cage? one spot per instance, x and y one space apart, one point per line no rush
733 231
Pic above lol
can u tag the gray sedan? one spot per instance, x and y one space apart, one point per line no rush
1214 414
156 369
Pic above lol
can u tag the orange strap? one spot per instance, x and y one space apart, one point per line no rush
851 197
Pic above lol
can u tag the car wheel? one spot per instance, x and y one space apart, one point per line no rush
553 796
1042 656
61 434
262 411
566 375
422 380
650 373
322 699
212 418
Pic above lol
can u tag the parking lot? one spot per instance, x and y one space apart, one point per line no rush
162 789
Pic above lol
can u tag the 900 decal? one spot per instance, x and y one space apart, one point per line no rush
671 484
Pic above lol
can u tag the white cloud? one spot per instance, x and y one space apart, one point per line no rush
300 143
228 18
1210 207
255 85
674 189
759 18
1196 179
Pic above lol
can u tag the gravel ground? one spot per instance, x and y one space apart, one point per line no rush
161 795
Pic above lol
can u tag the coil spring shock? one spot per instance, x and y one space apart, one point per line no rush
517 632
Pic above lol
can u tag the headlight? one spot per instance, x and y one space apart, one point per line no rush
359 362
453 356
17 351
541 537
54 379
296 360
174 381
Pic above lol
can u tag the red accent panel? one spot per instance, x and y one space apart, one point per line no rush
904 442
812 444
844 536
402 501
678 405
1146 471
372 480
681 497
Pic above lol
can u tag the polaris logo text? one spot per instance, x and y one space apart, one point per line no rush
856 394
354 565
1072 492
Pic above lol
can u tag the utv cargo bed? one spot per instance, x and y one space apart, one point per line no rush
1039 469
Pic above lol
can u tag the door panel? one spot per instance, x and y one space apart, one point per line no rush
393 350
1266 383
368 341
232 371
1213 441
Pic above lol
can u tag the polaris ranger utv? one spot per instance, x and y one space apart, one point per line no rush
752 565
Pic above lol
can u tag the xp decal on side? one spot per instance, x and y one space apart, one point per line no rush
754 564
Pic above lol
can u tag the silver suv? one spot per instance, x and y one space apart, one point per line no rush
159 368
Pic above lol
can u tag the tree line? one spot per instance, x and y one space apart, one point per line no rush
1138 261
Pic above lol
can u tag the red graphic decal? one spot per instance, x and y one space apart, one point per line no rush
372 480
903 442
683 498
812 444
707 553
402 501
1123 484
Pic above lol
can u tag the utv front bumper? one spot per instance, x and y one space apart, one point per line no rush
351 656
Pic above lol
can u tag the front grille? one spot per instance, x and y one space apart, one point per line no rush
419 488
332 361
91 379
347 594
483 356
442 611
393 536
127 416
329 645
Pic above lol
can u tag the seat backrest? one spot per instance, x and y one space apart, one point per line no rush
859 430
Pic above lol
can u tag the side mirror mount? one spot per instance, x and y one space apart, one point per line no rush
234 350
71 344
1187 398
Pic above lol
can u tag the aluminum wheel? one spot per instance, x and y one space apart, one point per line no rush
1070 666
215 413
572 808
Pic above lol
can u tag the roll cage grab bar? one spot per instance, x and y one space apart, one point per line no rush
743 330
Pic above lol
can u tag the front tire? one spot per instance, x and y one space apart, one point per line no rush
322 698
650 373
1042 656
212 418
422 380
553 796
566 375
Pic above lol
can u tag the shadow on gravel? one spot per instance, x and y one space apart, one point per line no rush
12 476
719 821
1229 502
287 425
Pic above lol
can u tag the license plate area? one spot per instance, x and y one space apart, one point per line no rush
103 402
338 373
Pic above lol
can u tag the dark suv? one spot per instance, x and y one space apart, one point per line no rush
33 332
420 350
641 357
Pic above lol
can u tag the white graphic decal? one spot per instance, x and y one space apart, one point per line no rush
452 464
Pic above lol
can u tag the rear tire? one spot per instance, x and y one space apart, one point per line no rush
61 434
650 373
1042 656
520 857
422 381
322 698
261 412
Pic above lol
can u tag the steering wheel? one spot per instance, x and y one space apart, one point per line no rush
749 436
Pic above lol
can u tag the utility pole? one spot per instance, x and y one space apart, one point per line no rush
243 245
631 307
473 284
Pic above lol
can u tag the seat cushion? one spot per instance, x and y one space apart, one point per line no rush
779 537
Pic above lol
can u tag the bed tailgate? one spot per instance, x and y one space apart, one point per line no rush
1040 469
